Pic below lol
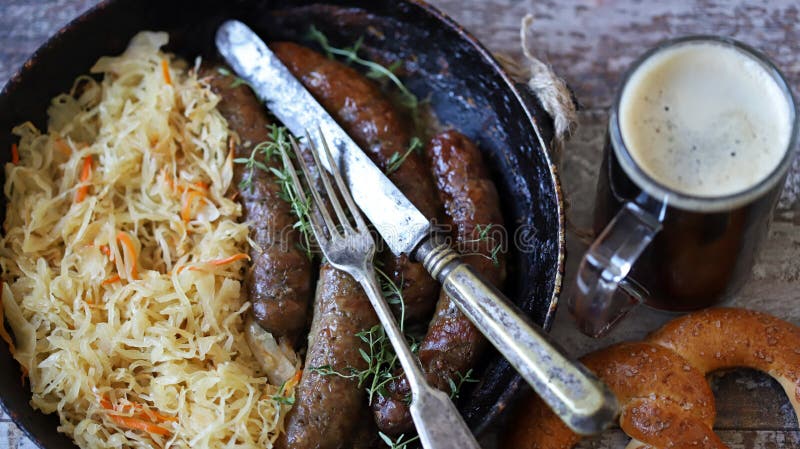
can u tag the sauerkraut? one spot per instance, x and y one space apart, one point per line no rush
122 258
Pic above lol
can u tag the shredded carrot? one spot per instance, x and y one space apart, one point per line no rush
87 168
104 402
86 173
14 154
182 186
218 262
188 201
111 280
3 334
105 250
165 71
229 259
199 186
138 424
139 408
296 378
129 250
154 415
62 146
231 147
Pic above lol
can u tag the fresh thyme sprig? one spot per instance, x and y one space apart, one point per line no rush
374 70
456 385
382 362
483 236
397 159
301 206
262 154
262 158
237 81
281 397
400 443
381 359
393 295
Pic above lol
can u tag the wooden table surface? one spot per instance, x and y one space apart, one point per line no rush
590 43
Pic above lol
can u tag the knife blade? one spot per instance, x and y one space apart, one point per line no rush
584 403
400 223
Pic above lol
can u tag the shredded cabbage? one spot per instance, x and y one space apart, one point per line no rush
126 326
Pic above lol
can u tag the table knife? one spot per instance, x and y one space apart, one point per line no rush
584 403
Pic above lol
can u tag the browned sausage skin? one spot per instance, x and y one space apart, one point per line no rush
471 202
452 344
371 120
329 409
279 278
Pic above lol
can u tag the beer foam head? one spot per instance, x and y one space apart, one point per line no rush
705 119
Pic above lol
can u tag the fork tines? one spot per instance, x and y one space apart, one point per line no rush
320 217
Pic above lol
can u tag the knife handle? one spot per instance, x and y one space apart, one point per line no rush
584 403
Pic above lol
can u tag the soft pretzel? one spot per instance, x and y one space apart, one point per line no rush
653 385
660 383
724 338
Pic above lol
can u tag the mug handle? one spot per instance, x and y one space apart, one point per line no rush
602 295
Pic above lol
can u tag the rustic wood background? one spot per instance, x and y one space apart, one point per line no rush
590 43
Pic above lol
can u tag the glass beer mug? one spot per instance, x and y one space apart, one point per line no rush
699 142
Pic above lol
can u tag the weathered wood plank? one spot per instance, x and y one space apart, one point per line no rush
26 24
591 42
744 394
764 439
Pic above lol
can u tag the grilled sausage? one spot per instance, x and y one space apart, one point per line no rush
279 278
452 344
328 408
370 119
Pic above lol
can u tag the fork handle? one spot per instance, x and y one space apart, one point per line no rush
438 422
584 403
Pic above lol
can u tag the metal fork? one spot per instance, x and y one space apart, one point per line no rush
351 249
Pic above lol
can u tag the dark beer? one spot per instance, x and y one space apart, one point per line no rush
699 258
699 142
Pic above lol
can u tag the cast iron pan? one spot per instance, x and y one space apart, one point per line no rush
466 87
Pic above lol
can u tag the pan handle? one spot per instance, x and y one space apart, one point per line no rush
584 403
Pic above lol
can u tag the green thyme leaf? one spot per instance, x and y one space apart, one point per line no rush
374 70
397 159
265 157
236 80
400 443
